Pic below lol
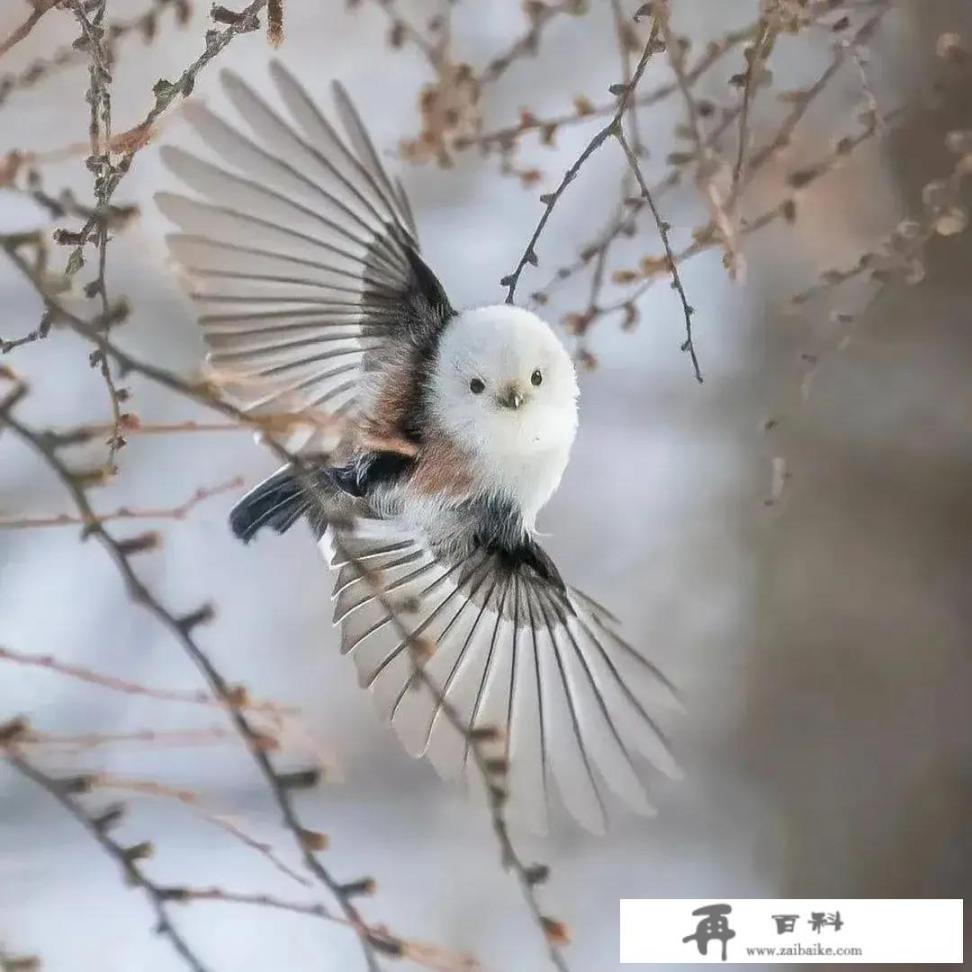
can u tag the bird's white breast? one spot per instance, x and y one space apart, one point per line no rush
527 476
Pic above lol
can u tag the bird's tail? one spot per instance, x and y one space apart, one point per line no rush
278 502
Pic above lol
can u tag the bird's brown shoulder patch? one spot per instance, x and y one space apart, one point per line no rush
443 468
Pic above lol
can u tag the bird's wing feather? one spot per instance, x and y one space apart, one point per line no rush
510 650
300 252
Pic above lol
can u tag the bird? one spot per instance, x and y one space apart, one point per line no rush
453 428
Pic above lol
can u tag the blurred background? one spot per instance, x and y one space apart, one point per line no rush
789 541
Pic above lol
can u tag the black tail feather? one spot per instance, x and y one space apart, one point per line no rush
278 502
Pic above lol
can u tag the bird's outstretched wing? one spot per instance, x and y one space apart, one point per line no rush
511 650
300 253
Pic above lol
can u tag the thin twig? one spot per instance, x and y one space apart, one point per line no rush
707 165
540 15
162 428
181 628
625 215
615 129
402 30
198 805
88 741
41 7
144 25
114 684
621 28
100 164
108 174
550 200
687 310
706 237
163 897
802 103
127 858
179 512
529 123
754 59
429 956
623 223
202 393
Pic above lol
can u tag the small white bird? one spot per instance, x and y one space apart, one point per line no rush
457 426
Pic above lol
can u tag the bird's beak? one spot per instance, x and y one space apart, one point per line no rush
512 398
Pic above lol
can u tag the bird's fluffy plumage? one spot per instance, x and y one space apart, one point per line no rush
304 259
521 452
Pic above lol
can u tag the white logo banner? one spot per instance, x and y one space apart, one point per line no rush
784 931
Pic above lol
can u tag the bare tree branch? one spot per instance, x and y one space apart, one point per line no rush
688 345
181 628
614 129
127 858
40 7
52 664
179 512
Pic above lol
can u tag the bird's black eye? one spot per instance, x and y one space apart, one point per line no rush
476 386
536 377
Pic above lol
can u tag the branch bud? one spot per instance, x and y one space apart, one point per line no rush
12 730
138 852
313 840
150 540
355 889
299 779
201 615
109 817
536 874
556 931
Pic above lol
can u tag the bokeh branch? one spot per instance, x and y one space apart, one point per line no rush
40 8
182 628
180 512
128 858
625 92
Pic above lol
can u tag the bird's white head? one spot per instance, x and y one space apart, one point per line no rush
504 387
